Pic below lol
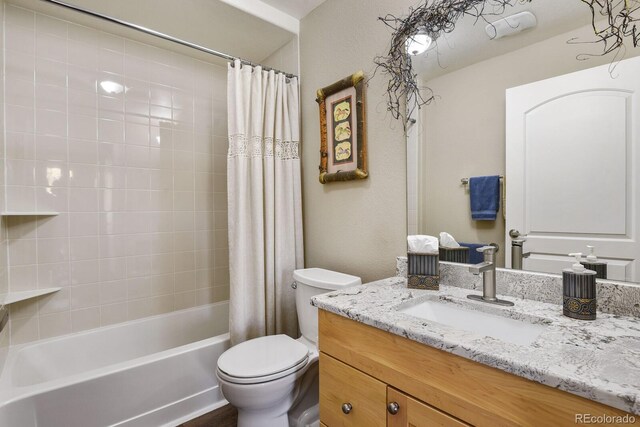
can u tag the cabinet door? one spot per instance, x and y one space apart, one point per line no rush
413 413
363 397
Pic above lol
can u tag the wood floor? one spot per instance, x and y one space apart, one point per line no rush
227 416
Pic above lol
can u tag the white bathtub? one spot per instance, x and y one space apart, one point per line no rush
158 371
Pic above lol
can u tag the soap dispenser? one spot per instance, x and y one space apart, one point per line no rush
579 291
592 263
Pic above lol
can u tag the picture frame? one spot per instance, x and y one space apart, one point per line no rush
343 139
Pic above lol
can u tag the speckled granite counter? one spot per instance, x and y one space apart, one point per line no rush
599 360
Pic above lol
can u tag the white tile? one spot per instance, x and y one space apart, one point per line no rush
82 102
53 275
83 127
54 303
51 97
113 223
53 226
137 156
20 172
81 151
51 148
84 272
111 154
24 330
113 313
50 122
88 318
84 248
53 325
112 177
51 47
48 25
20 198
111 42
23 277
19 119
19 92
54 199
51 72
138 179
113 291
136 68
110 61
20 145
20 39
136 134
83 200
83 175
82 79
51 173
53 250
110 131
84 224
112 200
19 66
16 15
82 54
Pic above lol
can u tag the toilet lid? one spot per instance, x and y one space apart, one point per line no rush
262 357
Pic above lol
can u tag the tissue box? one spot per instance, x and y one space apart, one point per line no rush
460 254
423 271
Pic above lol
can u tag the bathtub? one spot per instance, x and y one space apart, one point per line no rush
158 371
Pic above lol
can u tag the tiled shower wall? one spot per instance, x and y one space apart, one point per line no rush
128 143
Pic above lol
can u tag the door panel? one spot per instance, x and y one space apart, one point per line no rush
572 168
341 384
413 413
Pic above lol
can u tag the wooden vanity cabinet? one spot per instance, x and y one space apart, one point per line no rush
349 397
368 369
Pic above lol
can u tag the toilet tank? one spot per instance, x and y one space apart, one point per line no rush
311 282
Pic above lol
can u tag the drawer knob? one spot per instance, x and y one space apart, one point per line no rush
393 408
346 408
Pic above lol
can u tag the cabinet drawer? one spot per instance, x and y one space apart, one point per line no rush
413 413
341 384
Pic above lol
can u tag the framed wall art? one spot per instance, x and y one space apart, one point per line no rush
343 141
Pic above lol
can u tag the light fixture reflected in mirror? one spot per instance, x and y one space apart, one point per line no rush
112 87
418 43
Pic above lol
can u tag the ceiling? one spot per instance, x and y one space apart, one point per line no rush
212 24
469 42
296 8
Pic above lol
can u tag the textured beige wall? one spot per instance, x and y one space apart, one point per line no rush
463 132
357 227
285 59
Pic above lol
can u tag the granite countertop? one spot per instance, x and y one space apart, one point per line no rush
598 360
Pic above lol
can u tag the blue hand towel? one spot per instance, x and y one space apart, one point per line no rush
475 257
485 197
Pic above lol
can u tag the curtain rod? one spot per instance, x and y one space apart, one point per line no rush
161 35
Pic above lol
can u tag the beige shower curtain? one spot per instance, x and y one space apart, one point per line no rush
265 208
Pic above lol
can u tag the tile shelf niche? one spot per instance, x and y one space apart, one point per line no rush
12 297
6 213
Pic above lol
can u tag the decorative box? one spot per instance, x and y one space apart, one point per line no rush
423 271
460 255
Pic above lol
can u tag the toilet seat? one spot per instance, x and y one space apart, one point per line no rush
262 360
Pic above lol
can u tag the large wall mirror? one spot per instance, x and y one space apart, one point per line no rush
562 127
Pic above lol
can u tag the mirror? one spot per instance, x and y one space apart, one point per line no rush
556 123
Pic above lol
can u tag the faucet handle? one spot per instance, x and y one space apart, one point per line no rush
487 249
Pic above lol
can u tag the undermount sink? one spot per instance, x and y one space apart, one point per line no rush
502 328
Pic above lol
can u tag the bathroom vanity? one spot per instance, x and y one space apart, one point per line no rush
385 361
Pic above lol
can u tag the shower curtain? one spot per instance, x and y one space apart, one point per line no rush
265 207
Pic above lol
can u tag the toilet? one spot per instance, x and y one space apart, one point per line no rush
273 380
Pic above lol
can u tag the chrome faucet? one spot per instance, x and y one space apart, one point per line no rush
488 270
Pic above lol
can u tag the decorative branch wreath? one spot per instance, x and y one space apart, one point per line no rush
437 17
